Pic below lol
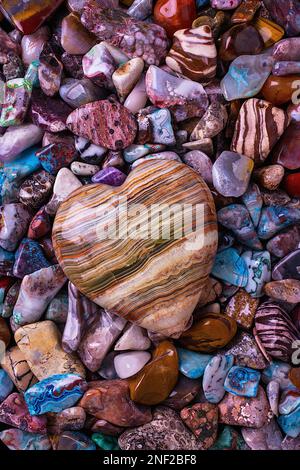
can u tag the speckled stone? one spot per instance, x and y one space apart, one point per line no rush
246 351
70 419
214 377
287 290
56 156
15 219
285 242
201 163
36 189
202 420
269 437
14 412
242 307
29 258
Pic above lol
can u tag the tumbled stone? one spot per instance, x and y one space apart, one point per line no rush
111 175
107 369
130 363
79 92
140 9
246 351
225 4
137 99
84 169
73 441
116 131
278 371
290 423
56 156
15 439
286 152
40 225
16 366
286 68
289 401
240 40
192 364
212 331
193 53
29 258
99 65
13 68
50 114
8 45
214 377
6 385
276 218
41 344
89 152
242 381
36 189
75 39
269 437
7 261
201 163
14 412
32 44
245 12
202 420
133 37
161 127
25 164
212 122
294 376
275 329
286 14
156 380
244 411
242 308
18 138
57 310
287 290
133 338
174 14
288 267
183 393
229 439
230 267
236 218
290 443
165 432
134 151
259 271
73 65
15 219
184 98
246 76
126 77
291 184
50 71
70 419
280 90
269 31
65 183
55 393
273 393
109 400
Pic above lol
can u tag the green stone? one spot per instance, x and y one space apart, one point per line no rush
105 442
229 439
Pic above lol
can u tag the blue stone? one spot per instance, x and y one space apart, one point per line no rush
276 218
29 258
278 371
10 191
192 364
7 261
162 129
242 381
290 424
202 3
6 385
289 401
259 271
252 199
236 218
26 164
15 439
214 377
55 393
230 267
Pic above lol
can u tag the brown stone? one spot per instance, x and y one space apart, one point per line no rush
242 308
75 38
4 332
202 420
16 366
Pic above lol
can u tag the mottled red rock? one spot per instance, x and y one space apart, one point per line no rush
7 46
202 420
14 412
292 184
242 308
40 225
110 400
50 114
175 14
73 65
106 123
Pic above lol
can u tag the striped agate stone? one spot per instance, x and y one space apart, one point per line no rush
153 281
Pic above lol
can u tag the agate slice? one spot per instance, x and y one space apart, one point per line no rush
139 271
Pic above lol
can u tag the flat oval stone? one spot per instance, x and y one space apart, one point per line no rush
55 393
170 180
279 90
130 363
174 14
278 371
287 150
156 380
202 420
192 364
212 331
214 377
287 290
242 381
275 218
115 132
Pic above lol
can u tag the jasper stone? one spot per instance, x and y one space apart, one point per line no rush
156 380
29 258
236 218
50 71
269 437
245 411
36 189
50 114
202 420
15 439
117 131
40 224
56 156
211 332
184 98
193 53
171 317
242 308
174 14
287 290
109 400
4 332
240 40
246 352
165 432
286 13
214 377
258 128
16 366
231 267
41 344
126 77
14 412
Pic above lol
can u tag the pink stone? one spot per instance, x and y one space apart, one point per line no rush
106 123
50 114
7 45
14 412
99 65
32 44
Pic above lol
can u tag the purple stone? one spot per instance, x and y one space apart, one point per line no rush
111 176
286 13
29 258
50 114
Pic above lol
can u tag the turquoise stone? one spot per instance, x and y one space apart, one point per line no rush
161 127
192 364
55 393
279 372
289 401
105 442
23 166
6 385
290 424
254 202
15 439
242 381
276 218
214 377
236 218
246 76
229 439
231 267
259 271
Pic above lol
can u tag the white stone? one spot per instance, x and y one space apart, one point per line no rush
128 364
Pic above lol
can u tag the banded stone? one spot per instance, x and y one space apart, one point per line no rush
150 281
259 126
193 53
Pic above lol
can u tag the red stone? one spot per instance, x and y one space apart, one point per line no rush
292 184
173 15
50 114
14 412
287 150
106 123
40 225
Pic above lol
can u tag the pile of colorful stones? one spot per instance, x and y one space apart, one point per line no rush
134 344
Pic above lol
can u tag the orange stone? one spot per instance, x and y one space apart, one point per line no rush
212 331
173 15
4 332
269 31
154 383
294 376
280 90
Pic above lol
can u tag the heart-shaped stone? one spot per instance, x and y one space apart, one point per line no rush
124 250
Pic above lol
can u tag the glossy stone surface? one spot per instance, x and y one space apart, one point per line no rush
287 290
75 39
193 53
231 267
291 184
15 439
33 44
242 308
269 437
288 267
79 92
230 439
275 218
259 271
105 442
55 393
40 224
184 98
111 176
202 420
165 432
183 393
236 218
286 13
245 411
242 381
174 14
6 385
212 331
18 138
126 77
36 189
56 156
65 183
41 345
50 114
29 258
212 122
273 394
109 400
148 171
286 152
214 377
14 412
258 128
70 419
130 363
278 371
133 37
280 90
290 423
275 330
240 40
133 338
192 364
99 65
50 71
15 219
201 163
16 366
225 4
246 352
72 440
156 380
